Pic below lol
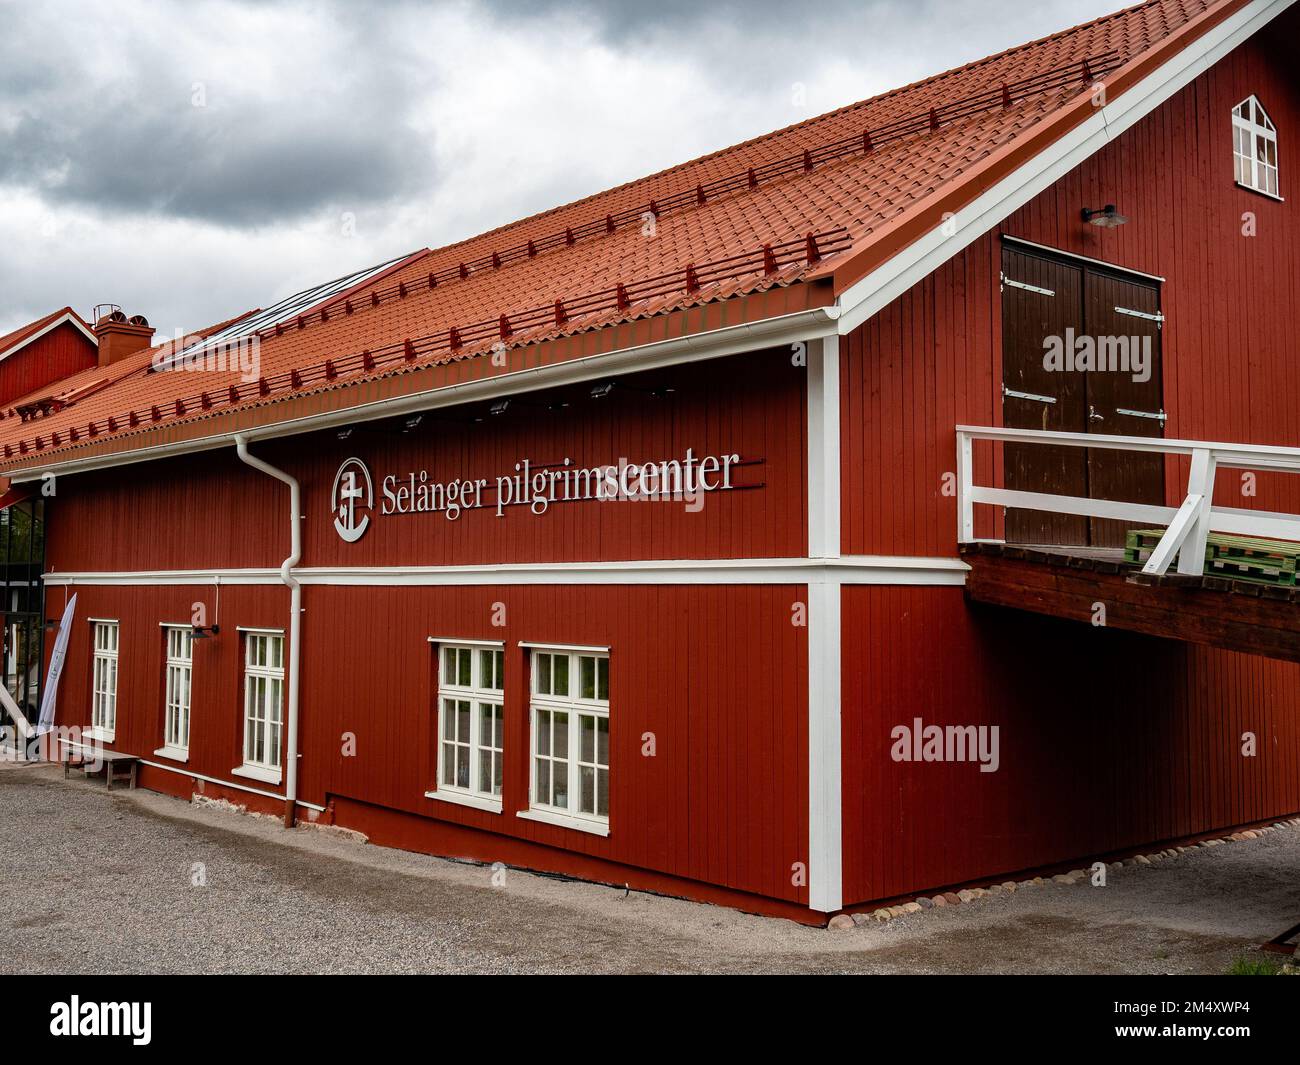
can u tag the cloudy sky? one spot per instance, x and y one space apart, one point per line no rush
191 160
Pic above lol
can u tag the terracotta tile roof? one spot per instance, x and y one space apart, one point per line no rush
77 386
12 340
859 179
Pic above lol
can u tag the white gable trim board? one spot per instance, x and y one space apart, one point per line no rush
867 297
65 319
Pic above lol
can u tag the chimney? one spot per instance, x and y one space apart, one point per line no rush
120 336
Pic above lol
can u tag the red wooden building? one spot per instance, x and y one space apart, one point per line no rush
625 541
51 348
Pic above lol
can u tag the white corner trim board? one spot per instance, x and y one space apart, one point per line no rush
825 784
890 280
845 569
824 448
825 847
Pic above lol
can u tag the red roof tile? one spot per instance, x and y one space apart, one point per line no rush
857 177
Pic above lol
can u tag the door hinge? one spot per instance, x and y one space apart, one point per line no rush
1157 317
1161 417
1026 286
1013 394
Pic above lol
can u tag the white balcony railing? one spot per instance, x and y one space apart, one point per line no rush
1188 526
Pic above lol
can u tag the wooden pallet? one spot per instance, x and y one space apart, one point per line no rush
1240 558
1139 544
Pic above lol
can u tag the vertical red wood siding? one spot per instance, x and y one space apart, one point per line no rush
60 353
1108 740
714 676
211 510
723 800
933 358
217 708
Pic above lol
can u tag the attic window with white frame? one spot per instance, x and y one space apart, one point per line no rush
1254 147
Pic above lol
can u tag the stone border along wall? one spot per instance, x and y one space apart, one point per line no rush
1007 887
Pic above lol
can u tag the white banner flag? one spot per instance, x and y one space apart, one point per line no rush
50 696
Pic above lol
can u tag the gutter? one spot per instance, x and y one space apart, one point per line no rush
694 347
295 616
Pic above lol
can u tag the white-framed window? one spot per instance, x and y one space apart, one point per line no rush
263 705
570 737
1254 147
178 673
471 724
103 706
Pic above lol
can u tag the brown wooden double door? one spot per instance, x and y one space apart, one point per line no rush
1080 354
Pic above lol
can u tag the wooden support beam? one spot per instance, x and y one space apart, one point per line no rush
1233 615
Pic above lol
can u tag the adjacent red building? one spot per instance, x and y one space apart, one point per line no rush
622 541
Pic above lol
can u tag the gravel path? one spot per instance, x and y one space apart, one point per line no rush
109 886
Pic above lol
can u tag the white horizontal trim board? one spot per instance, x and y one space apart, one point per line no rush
878 289
210 780
1249 456
847 569
180 577
1188 526
176 754
257 772
530 646
1081 505
1057 253
462 798
697 347
459 642
581 824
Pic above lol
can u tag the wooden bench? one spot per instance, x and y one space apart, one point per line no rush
122 767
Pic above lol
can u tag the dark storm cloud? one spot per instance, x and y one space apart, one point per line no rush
622 20
155 136
239 169
113 186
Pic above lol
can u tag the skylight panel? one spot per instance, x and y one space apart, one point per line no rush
285 311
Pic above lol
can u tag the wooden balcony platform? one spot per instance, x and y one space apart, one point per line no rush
1068 582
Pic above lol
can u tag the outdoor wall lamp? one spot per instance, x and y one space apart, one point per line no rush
203 632
1107 217
503 405
606 387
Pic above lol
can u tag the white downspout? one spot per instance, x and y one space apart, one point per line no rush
295 615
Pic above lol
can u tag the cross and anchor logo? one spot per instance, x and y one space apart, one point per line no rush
352 497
